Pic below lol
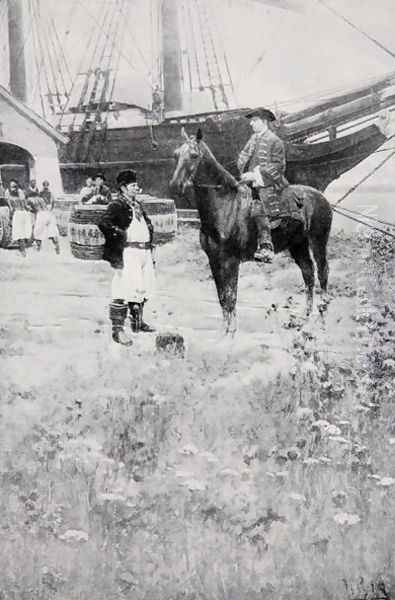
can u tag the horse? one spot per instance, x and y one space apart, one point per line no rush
228 233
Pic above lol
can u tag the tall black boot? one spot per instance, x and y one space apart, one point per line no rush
118 313
143 325
265 250
135 316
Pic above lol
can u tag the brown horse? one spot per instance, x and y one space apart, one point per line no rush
228 234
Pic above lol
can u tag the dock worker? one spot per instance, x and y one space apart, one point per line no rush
262 165
21 216
128 248
45 227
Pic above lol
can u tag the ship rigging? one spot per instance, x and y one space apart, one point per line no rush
183 62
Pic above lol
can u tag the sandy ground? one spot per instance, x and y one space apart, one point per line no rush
56 308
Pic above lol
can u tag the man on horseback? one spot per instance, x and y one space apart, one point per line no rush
262 164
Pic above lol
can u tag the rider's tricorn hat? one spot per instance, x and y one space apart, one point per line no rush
262 113
126 177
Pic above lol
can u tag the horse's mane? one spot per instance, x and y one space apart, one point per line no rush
227 178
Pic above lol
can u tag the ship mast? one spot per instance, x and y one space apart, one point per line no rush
171 46
16 48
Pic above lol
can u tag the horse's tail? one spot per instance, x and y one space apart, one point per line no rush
318 214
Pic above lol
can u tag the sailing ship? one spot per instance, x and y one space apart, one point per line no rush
108 130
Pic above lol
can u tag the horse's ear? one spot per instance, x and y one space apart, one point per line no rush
199 135
184 134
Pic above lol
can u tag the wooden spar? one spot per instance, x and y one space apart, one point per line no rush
171 46
16 49
339 114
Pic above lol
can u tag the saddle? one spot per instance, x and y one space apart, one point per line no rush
287 203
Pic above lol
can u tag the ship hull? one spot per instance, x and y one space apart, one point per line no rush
311 164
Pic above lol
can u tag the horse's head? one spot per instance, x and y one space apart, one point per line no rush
188 157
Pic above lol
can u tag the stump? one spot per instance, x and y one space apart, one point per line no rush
170 342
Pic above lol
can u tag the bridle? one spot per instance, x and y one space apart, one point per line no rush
196 153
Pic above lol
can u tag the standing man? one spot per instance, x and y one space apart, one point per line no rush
32 200
128 247
21 216
32 191
263 157
45 226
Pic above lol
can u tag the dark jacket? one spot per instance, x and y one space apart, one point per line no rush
113 225
267 151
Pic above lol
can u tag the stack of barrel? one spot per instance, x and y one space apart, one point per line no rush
87 241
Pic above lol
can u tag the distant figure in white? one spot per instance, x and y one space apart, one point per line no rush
45 227
21 216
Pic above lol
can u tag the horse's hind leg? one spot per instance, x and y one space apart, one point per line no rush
319 251
301 255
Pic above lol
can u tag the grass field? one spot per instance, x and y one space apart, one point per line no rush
253 468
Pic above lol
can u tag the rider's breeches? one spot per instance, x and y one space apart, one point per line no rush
261 197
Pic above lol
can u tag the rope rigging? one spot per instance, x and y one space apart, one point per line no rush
353 26
50 63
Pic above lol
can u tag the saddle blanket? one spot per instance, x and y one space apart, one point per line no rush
288 203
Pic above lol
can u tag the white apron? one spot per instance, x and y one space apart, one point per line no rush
136 281
21 225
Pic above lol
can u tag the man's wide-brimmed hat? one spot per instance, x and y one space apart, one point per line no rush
262 113
101 175
126 177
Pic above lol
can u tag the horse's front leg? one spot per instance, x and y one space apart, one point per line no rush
225 270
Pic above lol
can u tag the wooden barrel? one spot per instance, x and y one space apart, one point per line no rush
163 214
63 207
5 225
86 239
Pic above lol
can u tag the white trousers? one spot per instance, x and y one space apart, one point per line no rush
45 226
136 281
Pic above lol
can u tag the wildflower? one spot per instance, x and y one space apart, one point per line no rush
346 519
325 460
304 414
189 450
311 461
194 485
74 535
297 498
386 482
209 456
339 439
229 473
